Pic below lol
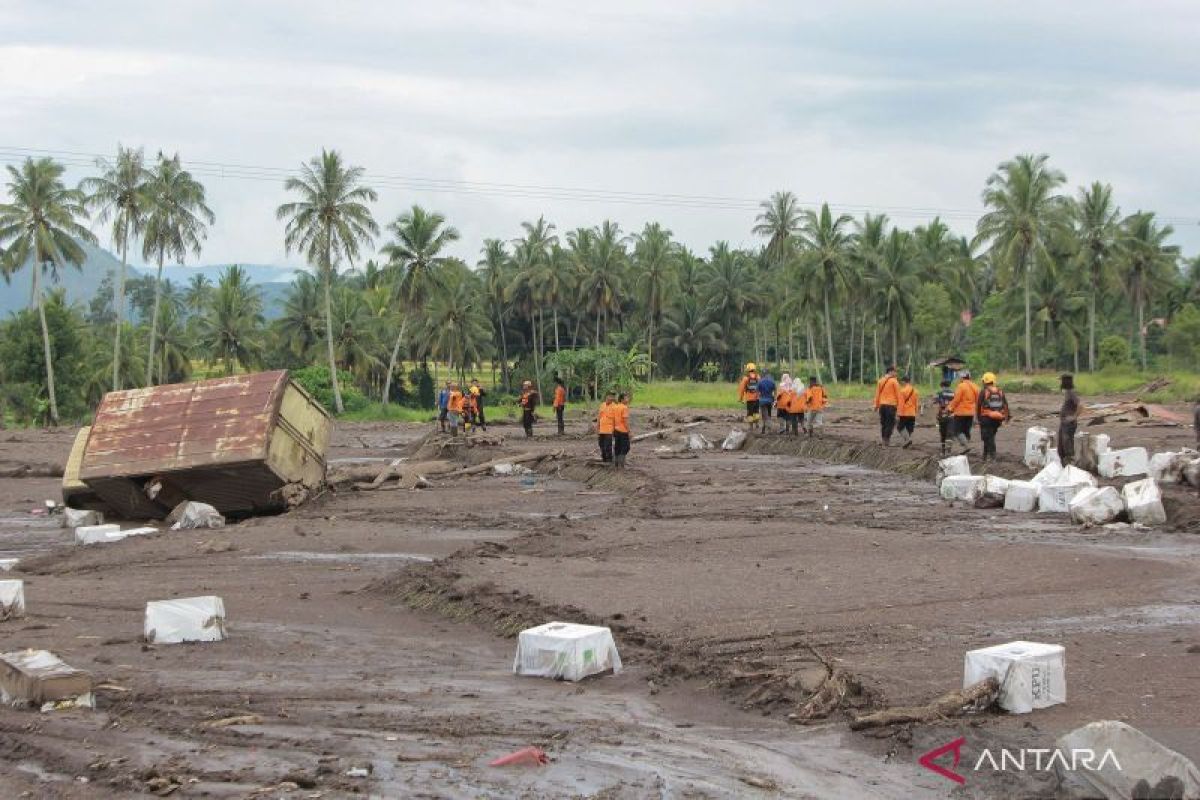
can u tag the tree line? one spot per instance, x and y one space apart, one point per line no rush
1049 279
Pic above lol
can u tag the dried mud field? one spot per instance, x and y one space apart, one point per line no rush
371 630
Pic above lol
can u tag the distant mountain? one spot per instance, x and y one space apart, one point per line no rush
82 284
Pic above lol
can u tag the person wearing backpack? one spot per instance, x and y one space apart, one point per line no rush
748 393
992 412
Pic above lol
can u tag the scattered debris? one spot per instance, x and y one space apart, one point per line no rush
1038 442
533 756
190 515
1138 767
1088 449
7 564
1143 502
952 466
508 468
698 441
994 490
186 619
965 488
240 719
230 442
663 432
1056 498
1031 675
12 599
1096 506
77 518
1125 463
94 534
360 770
973 699
1169 467
1021 496
40 678
736 440
566 651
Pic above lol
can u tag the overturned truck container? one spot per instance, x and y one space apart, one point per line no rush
246 444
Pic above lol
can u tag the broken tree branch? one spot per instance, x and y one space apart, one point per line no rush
973 699
664 431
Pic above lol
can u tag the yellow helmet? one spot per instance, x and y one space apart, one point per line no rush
989 377
750 367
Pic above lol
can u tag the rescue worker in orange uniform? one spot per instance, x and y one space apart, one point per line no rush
621 430
887 400
992 413
748 393
560 404
606 424
963 408
906 412
815 401
454 409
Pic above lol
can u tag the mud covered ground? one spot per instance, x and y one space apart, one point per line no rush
369 628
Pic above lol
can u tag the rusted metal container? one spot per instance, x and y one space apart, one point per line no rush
234 443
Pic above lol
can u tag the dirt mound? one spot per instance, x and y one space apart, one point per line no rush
599 476
793 679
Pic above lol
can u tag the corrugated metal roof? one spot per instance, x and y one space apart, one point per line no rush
166 428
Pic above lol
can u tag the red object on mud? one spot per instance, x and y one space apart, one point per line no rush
526 755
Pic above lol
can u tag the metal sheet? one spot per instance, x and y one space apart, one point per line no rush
164 429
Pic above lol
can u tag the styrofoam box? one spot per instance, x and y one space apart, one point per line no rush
1168 467
1048 474
1129 462
1021 496
12 599
962 487
144 531
1088 449
92 534
1056 499
1143 502
1032 675
1096 506
1072 474
954 465
995 485
185 619
1038 441
566 651
6 564
76 518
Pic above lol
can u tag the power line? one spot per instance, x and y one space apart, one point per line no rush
236 171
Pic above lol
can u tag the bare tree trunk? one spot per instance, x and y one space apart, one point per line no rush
119 303
1141 308
597 329
387 382
51 393
850 353
333 376
875 339
504 349
792 346
895 360
812 348
537 354
1091 330
862 350
829 336
1028 315
650 351
154 319
556 344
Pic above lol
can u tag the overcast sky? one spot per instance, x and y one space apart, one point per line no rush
900 107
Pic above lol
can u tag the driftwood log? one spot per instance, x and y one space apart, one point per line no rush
661 432
973 699
412 474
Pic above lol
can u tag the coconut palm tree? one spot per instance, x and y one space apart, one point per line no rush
1023 210
456 323
176 223
494 270
827 245
894 285
780 221
602 262
415 255
328 223
231 330
1149 264
1095 220
302 324
690 330
198 294
654 260
40 226
120 193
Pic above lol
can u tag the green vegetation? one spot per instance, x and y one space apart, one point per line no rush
1046 282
